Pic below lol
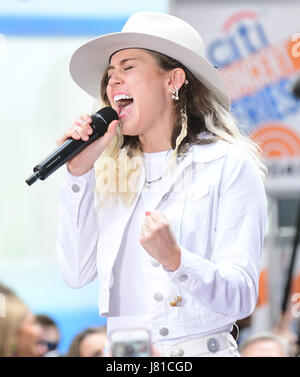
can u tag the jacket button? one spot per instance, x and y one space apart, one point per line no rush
178 352
158 297
75 188
213 345
183 277
164 331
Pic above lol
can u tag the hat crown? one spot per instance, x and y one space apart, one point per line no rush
165 26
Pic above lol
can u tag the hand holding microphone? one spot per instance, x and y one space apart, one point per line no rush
81 129
80 146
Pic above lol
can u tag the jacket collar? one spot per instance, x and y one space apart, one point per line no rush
198 154
209 152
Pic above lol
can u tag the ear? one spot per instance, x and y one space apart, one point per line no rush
176 78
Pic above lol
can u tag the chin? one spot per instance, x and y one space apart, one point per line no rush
129 130
129 133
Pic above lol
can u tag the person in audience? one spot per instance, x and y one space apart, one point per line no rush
89 343
19 331
264 345
50 336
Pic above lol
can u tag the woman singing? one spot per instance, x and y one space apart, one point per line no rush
168 208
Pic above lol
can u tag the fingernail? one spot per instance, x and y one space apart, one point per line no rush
147 213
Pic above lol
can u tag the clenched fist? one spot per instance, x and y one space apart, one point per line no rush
159 241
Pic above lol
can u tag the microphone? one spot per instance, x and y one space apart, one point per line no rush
71 147
296 88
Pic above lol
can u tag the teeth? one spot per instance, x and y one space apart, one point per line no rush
121 96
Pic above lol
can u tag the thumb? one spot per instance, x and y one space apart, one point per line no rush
112 127
111 131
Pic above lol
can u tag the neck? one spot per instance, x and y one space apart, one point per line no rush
157 138
155 148
156 141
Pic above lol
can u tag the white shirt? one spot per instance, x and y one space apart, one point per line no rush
129 289
129 303
216 206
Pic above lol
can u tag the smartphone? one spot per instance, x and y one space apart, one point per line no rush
130 343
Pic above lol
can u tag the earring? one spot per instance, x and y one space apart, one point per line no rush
175 96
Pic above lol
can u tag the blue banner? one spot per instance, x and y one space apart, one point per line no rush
20 25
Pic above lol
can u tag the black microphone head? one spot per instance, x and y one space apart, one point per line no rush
296 88
108 114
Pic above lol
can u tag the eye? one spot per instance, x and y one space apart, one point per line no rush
127 68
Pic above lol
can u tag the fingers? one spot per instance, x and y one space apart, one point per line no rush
80 129
156 217
154 221
145 233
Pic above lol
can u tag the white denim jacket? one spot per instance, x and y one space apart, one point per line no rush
218 216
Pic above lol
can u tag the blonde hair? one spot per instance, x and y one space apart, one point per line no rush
16 311
203 114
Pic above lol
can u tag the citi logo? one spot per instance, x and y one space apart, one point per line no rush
244 35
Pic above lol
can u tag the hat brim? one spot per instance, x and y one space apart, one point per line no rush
89 61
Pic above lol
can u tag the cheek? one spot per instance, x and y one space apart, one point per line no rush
30 331
109 96
151 101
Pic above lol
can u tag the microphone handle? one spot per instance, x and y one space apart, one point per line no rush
65 152
62 154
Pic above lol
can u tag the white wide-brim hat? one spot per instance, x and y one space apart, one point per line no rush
159 32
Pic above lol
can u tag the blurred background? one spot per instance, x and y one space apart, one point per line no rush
256 47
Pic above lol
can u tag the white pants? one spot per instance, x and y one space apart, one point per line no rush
215 345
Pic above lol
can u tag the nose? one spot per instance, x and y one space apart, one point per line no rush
115 78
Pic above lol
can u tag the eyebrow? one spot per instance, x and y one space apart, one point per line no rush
122 62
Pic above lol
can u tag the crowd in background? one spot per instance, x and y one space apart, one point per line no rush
26 334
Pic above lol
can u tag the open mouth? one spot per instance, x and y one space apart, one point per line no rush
124 103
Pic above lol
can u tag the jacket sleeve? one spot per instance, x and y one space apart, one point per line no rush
228 282
77 234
